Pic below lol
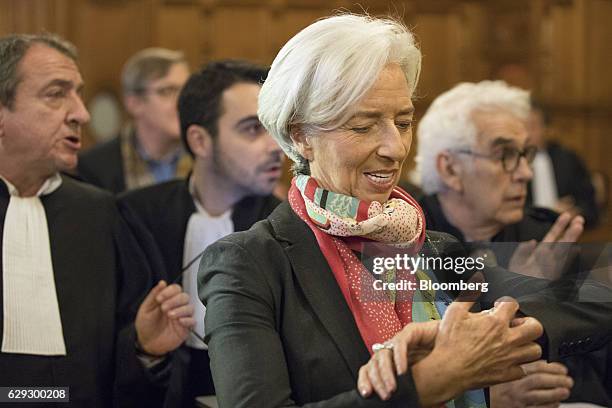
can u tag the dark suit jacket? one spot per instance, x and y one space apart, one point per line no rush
572 179
280 333
158 215
102 166
592 372
534 225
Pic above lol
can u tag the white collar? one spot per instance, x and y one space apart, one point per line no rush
50 185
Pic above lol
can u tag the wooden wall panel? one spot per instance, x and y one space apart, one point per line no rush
181 26
239 32
469 31
568 54
107 34
6 19
31 16
598 41
560 48
288 22
441 53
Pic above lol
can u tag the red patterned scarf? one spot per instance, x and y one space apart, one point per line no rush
342 224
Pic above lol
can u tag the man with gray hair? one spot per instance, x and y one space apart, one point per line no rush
73 277
473 159
148 150
473 162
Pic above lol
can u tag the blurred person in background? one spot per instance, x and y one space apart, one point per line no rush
561 180
148 150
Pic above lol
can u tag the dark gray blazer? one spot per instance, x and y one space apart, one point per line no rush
280 333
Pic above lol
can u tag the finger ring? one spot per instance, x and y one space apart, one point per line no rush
382 346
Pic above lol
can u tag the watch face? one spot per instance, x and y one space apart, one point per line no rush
106 116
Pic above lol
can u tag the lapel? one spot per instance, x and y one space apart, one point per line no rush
246 212
319 286
4 200
116 176
180 203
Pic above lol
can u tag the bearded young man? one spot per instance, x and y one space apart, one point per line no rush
237 164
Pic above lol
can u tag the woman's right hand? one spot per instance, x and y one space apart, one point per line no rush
475 350
472 350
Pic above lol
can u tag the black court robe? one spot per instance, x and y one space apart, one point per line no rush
100 280
572 179
158 215
102 166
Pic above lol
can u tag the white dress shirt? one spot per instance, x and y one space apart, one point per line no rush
202 230
544 185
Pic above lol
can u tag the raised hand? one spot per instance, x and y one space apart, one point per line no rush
164 319
475 350
548 258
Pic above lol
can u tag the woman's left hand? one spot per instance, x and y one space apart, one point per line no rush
407 347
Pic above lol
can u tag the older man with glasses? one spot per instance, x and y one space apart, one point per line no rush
474 157
474 163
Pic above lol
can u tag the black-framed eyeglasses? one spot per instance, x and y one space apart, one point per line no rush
509 156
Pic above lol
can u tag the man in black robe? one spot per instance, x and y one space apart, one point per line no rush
236 166
561 179
73 278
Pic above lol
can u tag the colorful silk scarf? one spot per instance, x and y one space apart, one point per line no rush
343 224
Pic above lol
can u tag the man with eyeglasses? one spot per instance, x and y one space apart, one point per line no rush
148 150
473 158
474 163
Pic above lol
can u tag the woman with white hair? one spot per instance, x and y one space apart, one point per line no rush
290 320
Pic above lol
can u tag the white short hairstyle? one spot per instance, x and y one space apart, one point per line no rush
318 77
448 123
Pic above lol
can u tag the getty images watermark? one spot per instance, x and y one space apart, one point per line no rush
412 264
440 271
